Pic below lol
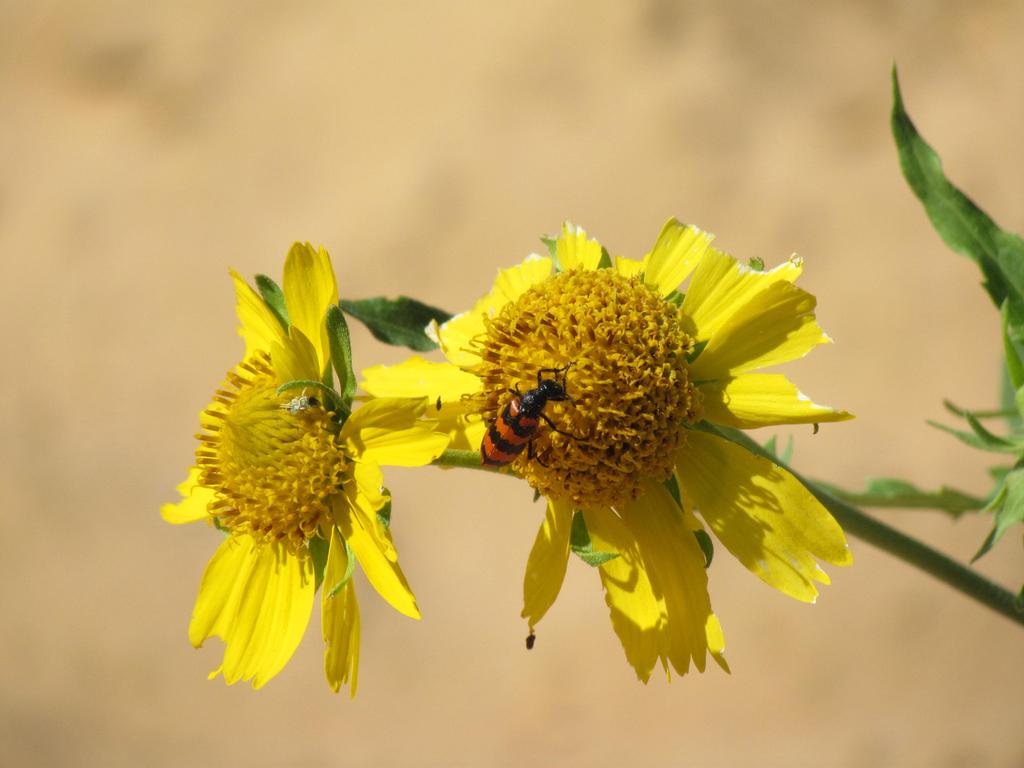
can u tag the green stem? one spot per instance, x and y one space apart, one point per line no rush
908 549
912 551
459 458
856 523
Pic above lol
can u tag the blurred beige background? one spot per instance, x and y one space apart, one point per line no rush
147 147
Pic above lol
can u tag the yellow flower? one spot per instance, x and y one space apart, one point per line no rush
629 464
296 486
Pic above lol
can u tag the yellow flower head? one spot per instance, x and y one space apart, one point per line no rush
597 380
293 478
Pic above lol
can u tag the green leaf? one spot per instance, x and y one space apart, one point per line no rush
318 548
962 225
697 349
756 263
341 358
581 545
1008 398
401 322
350 559
273 296
1008 507
706 546
999 473
956 410
606 259
551 243
672 486
1014 367
384 513
787 453
890 492
980 438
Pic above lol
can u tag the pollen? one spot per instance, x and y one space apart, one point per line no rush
274 467
627 379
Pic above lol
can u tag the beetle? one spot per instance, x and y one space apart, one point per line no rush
515 427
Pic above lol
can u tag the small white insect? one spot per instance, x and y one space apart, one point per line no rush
300 403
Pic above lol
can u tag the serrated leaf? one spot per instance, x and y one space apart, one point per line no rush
273 297
583 547
981 431
891 492
961 413
960 223
401 322
341 358
993 444
1008 509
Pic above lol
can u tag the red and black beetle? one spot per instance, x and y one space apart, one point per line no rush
515 427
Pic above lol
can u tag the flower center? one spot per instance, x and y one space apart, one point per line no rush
627 381
274 460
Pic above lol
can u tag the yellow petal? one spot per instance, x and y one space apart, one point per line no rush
194 504
762 399
762 514
365 491
438 382
371 543
629 267
674 256
749 319
637 614
260 327
340 620
391 432
417 377
295 359
515 281
258 600
309 289
657 587
455 335
545 568
675 565
574 250
777 326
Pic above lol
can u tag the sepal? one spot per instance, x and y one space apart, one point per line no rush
273 297
583 547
